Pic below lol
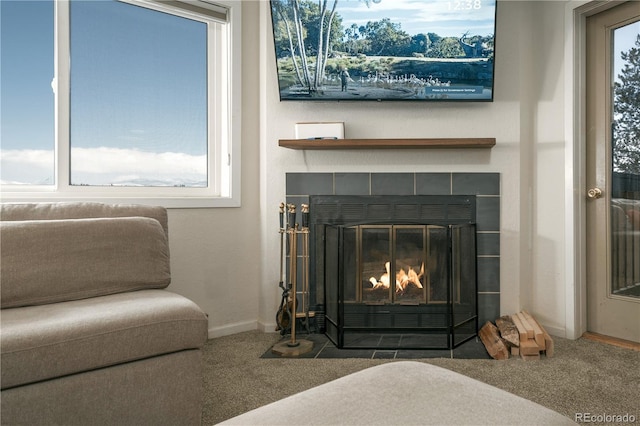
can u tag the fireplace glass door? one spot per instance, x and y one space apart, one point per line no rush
404 264
389 283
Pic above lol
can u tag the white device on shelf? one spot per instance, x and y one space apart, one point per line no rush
317 130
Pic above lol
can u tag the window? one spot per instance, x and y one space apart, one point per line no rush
27 100
120 100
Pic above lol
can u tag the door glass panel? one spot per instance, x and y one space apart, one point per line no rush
625 171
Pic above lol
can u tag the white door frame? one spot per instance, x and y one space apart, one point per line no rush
576 13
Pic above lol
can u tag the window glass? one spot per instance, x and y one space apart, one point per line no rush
138 97
27 103
625 165
626 104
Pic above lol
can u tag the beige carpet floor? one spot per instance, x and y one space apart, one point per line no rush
582 377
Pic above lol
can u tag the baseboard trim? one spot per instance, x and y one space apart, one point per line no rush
556 331
240 327
228 329
621 343
267 327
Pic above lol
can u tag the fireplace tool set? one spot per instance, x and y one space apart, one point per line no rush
288 311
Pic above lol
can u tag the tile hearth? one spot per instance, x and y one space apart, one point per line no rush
324 349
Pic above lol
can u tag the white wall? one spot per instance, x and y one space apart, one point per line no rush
227 259
215 253
547 294
526 118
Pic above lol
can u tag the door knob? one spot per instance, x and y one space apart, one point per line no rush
594 193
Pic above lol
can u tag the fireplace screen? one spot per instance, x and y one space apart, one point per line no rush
400 285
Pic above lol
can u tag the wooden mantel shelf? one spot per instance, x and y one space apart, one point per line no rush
387 143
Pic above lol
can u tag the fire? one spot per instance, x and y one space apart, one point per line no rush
403 279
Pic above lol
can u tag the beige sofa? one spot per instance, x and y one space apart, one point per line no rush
88 332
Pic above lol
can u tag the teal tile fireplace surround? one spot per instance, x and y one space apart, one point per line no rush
485 186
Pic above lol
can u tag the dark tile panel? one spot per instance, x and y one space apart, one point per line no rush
392 183
475 183
433 183
331 351
488 244
472 349
352 184
488 308
488 274
488 213
309 183
384 354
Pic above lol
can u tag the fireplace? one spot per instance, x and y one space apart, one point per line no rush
399 271
301 187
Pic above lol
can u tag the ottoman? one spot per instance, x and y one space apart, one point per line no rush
402 393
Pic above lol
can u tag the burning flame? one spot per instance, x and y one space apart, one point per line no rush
403 279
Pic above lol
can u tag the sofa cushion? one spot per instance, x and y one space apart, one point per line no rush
47 261
47 341
80 210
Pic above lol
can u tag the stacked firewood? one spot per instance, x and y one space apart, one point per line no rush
518 335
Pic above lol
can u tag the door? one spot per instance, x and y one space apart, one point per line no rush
613 172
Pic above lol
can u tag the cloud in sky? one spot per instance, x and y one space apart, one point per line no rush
107 166
419 16
26 166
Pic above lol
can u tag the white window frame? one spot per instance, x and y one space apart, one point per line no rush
224 95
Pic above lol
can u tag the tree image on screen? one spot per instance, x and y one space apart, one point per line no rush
374 49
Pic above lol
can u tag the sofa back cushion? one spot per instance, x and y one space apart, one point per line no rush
48 261
81 210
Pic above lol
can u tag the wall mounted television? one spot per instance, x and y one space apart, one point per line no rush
384 50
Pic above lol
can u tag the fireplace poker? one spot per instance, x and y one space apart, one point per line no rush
282 238
305 263
283 316
293 269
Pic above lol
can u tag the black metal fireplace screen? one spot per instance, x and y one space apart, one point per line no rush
396 283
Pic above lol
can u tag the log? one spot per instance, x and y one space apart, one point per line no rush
538 335
522 332
548 344
492 342
548 341
529 347
508 330
526 325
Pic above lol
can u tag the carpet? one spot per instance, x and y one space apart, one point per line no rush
583 376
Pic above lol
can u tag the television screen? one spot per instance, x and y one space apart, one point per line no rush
421 50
